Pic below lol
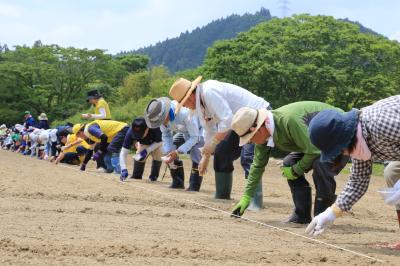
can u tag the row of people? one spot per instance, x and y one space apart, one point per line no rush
228 122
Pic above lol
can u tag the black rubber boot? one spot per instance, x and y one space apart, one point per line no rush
178 175
302 202
223 185
155 170
195 179
138 169
322 203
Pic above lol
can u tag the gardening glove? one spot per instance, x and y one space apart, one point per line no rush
203 164
83 167
321 222
97 155
124 174
141 155
287 171
241 206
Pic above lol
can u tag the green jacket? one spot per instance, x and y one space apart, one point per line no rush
291 135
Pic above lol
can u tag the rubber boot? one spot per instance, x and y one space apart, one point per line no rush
108 164
322 203
138 169
195 179
155 170
178 175
302 202
223 185
115 163
256 202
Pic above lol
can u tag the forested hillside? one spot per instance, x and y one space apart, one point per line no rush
188 50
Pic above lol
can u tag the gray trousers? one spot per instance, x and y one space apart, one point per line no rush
392 175
195 153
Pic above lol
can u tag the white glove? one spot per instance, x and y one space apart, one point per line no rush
397 185
321 222
394 199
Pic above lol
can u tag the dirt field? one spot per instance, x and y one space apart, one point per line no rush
55 215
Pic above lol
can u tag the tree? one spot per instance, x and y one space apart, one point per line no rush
136 86
308 58
51 79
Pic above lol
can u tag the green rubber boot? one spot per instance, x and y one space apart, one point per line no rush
223 185
256 202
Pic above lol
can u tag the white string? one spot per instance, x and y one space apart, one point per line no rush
243 218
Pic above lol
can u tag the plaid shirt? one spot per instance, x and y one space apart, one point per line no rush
380 125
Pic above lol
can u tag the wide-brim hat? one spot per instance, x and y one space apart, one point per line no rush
332 131
181 90
43 116
139 126
156 112
93 94
247 121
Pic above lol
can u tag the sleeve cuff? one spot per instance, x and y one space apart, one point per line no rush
336 210
298 171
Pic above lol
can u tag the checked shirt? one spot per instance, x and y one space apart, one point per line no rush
380 125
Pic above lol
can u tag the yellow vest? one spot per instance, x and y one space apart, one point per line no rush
72 138
101 103
109 127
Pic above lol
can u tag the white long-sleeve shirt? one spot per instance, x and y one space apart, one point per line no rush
217 102
184 123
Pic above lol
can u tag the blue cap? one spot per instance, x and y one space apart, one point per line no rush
331 131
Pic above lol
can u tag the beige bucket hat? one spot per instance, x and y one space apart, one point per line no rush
247 121
43 116
181 90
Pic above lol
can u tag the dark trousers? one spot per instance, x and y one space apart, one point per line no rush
228 150
117 142
323 174
73 157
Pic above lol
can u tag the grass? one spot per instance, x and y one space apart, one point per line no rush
377 169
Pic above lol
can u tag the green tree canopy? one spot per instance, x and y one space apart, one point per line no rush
309 58
53 79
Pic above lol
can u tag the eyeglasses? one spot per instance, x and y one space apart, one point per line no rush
253 126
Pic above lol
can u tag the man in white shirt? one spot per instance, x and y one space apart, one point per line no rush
215 103
161 113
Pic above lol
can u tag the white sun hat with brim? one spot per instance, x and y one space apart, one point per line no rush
247 121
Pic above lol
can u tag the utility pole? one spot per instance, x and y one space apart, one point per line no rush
284 7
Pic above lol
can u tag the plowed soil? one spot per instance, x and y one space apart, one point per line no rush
54 215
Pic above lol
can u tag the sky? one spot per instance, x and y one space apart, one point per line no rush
118 25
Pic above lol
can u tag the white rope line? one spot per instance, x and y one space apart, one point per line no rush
240 217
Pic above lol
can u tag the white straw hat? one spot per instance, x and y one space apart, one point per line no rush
247 121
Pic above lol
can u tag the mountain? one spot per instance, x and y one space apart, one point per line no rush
188 50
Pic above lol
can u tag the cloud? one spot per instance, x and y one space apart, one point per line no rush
9 10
